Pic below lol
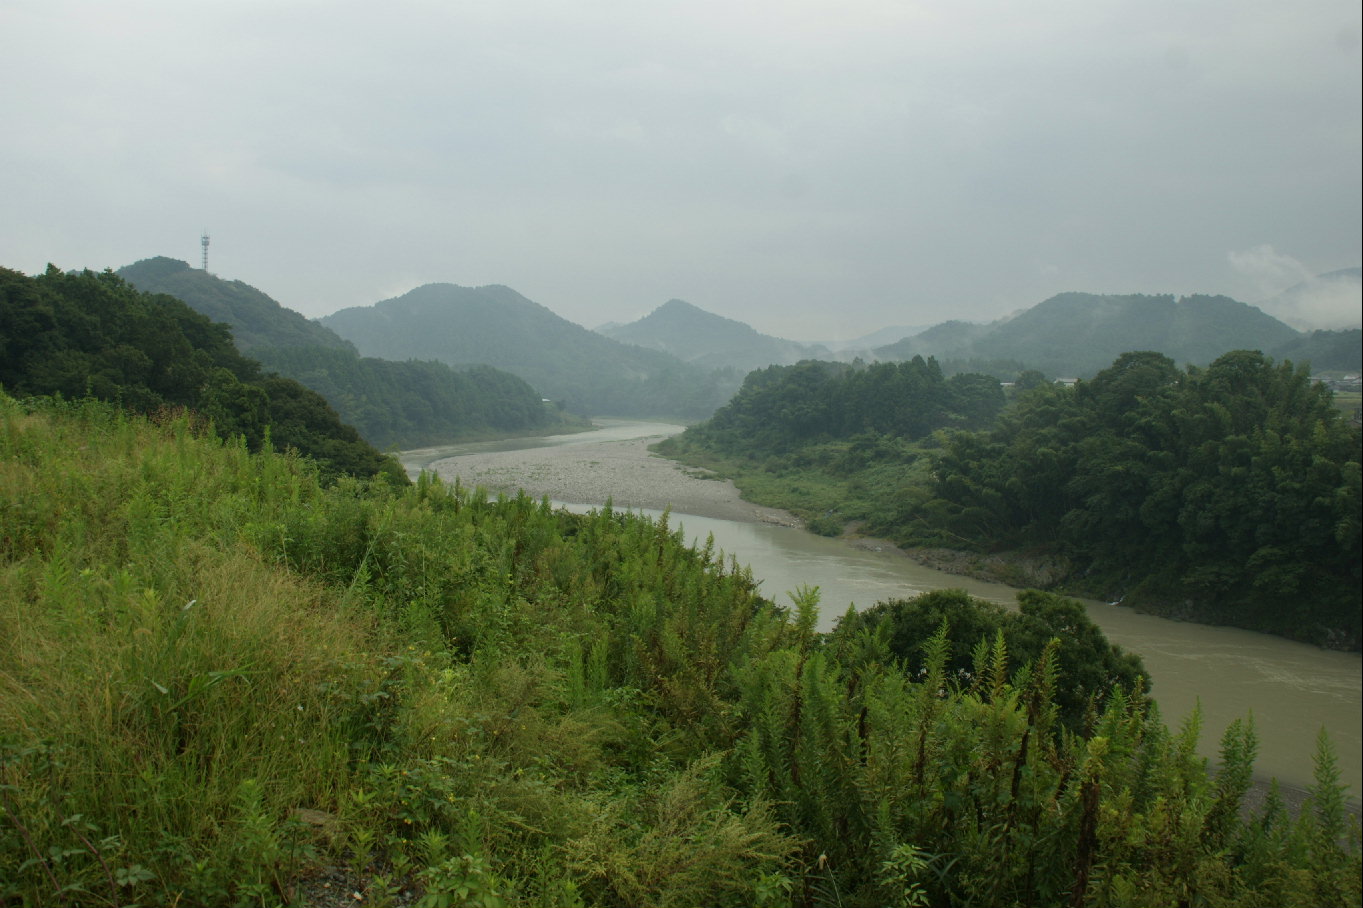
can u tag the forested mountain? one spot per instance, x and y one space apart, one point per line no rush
711 341
496 326
229 683
86 334
256 319
1326 351
393 404
1077 334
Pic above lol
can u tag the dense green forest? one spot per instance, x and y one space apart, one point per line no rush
1228 494
783 407
87 334
404 404
227 681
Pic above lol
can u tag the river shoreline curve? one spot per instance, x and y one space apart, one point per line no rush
615 464
588 472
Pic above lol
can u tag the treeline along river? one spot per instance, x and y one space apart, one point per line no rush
1291 689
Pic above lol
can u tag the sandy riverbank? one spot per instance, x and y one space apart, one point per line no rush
623 472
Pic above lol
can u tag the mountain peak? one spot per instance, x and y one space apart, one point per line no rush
690 333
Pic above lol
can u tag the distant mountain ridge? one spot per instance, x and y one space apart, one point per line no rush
711 341
1080 334
494 325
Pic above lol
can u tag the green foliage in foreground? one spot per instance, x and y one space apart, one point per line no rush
1091 666
220 674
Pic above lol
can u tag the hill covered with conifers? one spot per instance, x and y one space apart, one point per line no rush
227 681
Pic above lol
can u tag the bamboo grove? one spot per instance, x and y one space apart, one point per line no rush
224 678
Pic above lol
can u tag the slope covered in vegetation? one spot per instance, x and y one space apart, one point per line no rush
86 334
1228 495
834 442
1233 491
404 404
587 372
1078 334
222 676
256 319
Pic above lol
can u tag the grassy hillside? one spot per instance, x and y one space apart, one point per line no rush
228 683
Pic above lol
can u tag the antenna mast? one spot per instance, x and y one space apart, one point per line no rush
203 241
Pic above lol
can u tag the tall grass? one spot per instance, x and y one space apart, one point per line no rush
221 677
161 692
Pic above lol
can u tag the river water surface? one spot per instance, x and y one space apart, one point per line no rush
1292 690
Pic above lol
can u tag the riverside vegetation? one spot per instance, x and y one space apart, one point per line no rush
1228 494
225 672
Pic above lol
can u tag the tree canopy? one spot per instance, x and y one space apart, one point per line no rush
91 334
1232 489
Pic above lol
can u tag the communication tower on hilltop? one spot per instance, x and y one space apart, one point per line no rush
203 241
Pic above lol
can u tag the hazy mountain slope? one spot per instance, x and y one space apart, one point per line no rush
712 341
1330 301
495 325
1326 351
944 340
1079 334
256 319
392 404
880 337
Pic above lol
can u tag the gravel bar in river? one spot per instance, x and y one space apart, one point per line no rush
624 472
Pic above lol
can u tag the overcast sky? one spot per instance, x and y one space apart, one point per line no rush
816 169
